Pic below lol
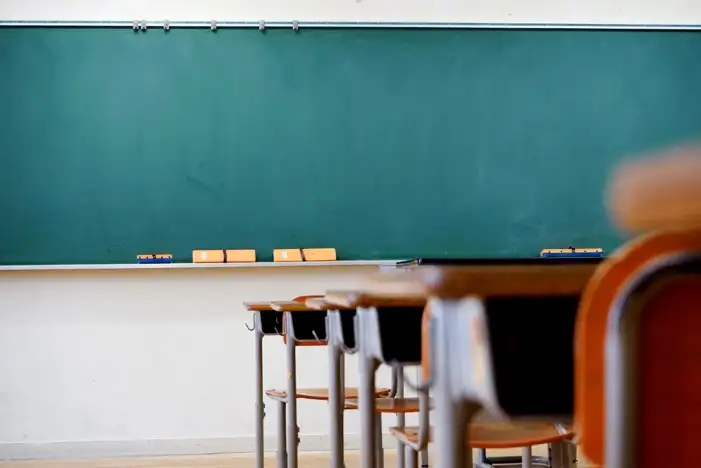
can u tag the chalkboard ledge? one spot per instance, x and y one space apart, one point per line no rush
174 266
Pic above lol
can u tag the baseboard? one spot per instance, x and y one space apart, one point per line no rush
162 447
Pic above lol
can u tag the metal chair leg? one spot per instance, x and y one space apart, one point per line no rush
366 398
336 396
292 428
411 457
260 405
281 436
401 422
378 441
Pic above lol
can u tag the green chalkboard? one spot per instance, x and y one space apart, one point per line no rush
381 143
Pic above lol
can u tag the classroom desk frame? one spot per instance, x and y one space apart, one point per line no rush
463 384
290 315
266 321
461 371
368 341
337 349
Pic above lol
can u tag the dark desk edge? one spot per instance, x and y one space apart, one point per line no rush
500 261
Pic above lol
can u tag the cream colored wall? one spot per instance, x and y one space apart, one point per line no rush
158 361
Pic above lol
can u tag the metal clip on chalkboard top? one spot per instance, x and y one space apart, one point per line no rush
139 25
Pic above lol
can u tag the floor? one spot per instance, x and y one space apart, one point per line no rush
306 460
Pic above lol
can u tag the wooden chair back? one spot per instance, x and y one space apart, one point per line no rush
637 388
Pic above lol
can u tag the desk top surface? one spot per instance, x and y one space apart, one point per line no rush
367 298
291 306
258 306
445 262
321 303
531 278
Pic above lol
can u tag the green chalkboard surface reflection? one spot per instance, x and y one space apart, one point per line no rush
380 143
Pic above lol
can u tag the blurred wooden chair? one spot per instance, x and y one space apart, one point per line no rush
638 333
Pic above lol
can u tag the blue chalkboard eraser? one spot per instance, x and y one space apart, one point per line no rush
154 258
572 253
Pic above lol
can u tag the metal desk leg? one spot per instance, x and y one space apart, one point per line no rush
378 441
424 458
260 406
452 415
281 438
401 421
366 396
560 455
481 458
336 394
411 459
526 457
292 429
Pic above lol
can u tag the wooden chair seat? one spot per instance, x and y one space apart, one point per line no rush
390 405
499 435
321 393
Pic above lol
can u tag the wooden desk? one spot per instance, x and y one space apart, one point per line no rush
377 312
273 318
341 333
368 298
302 325
461 262
306 324
485 278
462 356
266 321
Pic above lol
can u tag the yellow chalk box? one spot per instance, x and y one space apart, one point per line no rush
223 256
319 255
304 255
287 255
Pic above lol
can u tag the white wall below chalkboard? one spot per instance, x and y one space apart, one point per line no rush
621 13
157 361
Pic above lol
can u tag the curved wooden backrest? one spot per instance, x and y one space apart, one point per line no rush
597 303
658 193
